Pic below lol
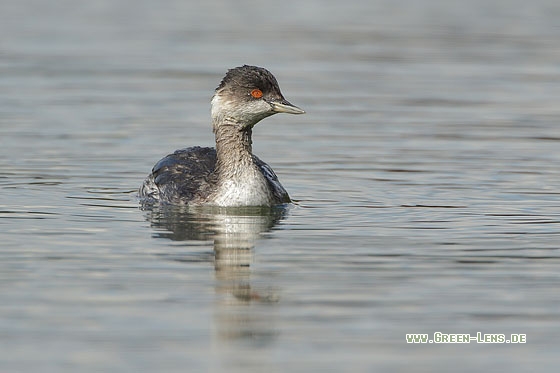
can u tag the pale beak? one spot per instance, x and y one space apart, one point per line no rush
284 106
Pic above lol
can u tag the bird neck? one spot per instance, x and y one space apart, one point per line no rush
233 148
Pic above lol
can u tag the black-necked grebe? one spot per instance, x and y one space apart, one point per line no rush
229 175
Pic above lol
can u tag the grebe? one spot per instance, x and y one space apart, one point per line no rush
230 174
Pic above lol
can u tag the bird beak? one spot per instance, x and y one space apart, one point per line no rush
284 106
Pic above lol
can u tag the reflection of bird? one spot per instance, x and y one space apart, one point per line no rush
178 223
234 232
229 175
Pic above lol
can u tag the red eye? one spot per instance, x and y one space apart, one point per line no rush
256 93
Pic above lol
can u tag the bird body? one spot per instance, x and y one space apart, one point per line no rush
230 174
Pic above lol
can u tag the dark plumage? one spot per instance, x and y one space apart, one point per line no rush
249 77
229 175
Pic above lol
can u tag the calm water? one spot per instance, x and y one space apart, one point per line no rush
426 173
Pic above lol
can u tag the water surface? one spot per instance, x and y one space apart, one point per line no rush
425 173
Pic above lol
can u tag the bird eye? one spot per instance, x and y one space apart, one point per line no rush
256 93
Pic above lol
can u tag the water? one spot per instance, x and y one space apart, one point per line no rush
426 174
